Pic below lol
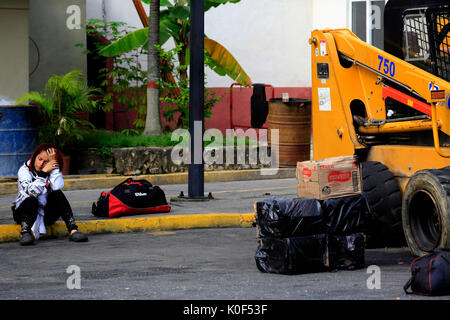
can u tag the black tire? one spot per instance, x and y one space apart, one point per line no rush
426 211
383 195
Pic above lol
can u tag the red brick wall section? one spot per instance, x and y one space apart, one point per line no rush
220 118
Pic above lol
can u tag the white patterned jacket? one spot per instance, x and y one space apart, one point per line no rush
30 184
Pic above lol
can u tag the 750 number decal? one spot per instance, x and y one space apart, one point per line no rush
388 67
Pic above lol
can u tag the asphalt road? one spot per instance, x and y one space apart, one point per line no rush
194 264
197 264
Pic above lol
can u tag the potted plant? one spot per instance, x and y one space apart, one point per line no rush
60 104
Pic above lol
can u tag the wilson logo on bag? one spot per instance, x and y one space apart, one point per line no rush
129 198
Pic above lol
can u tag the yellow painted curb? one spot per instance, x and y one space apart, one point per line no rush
161 223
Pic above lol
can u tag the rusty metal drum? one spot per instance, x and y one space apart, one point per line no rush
293 120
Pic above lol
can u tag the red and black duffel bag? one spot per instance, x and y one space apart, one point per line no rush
131 197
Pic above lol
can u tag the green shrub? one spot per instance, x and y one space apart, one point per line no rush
113 139
102 139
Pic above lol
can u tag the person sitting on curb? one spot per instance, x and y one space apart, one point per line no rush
40 201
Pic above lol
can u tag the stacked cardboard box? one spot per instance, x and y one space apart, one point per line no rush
329 178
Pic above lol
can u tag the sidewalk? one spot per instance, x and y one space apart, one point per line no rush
234 192
104 181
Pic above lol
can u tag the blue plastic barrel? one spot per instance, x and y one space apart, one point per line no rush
19 135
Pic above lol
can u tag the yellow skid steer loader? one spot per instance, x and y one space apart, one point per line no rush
391 109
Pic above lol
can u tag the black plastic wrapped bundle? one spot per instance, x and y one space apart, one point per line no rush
293 255
282 217
347 252
346 215
307 235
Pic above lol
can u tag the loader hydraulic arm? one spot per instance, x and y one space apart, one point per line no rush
366 76
387 66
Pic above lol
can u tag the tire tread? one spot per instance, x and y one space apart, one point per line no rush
381 190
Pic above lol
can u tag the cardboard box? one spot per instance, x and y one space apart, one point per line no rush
329 178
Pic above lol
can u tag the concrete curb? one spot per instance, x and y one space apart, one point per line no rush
101 181
10 233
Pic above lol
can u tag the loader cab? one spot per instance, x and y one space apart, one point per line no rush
418 31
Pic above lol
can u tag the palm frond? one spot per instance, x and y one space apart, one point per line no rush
38 98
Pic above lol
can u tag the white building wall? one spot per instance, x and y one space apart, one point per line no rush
330 14
94 9
269 38
114 10
14 65
117 11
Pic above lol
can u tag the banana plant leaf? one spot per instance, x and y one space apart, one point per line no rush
169 26
224 62
221 60
127 43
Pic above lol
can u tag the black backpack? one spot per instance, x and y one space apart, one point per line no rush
131 197
430 274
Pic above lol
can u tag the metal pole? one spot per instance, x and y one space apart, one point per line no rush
369 22
196 100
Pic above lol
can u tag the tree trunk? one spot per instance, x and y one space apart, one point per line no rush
153 117
182 60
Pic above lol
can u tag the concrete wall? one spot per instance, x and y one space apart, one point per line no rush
330 14
94 9
114 10
117 11
55 30
268 38
14 50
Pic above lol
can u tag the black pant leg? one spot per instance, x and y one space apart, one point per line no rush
26 213
58 206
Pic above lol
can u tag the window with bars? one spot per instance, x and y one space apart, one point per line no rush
426 40
441 28
415 38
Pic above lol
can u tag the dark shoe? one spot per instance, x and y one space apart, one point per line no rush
78 236
26 239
